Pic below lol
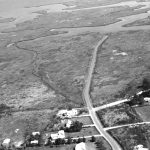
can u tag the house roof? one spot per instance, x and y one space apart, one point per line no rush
140 147
60 134
18 143
80 146
147 98
35 133
6 141
35 142
54 136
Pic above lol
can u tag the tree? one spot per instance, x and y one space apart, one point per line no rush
84 139
74 141
69 140
58 141
75 127
79 140
145 84
93 139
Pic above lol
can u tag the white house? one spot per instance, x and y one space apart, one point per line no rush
60 134
34 142
6 143
54 136
67 113
140 147
147 99
35 133
80 146
69 123
18 144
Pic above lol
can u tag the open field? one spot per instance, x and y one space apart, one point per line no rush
118 115
128 137
55 76
143 112
121 65
28 121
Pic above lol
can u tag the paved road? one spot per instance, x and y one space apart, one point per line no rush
86 97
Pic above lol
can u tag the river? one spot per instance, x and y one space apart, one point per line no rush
28 10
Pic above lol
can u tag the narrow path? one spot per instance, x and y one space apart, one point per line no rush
126 125
86 97
110 104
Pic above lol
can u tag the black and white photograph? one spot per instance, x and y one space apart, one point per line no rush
74 74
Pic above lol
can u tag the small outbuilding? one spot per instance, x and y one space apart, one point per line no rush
19 144
147 99
35 133
6 143
80 146
34 142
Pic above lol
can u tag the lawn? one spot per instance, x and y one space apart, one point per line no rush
121 66
118 115
144 113
85 120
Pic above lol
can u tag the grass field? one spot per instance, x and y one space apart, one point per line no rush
28 121
118 115
121 65
143 112
58 72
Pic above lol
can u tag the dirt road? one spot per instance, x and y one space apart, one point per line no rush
86 97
